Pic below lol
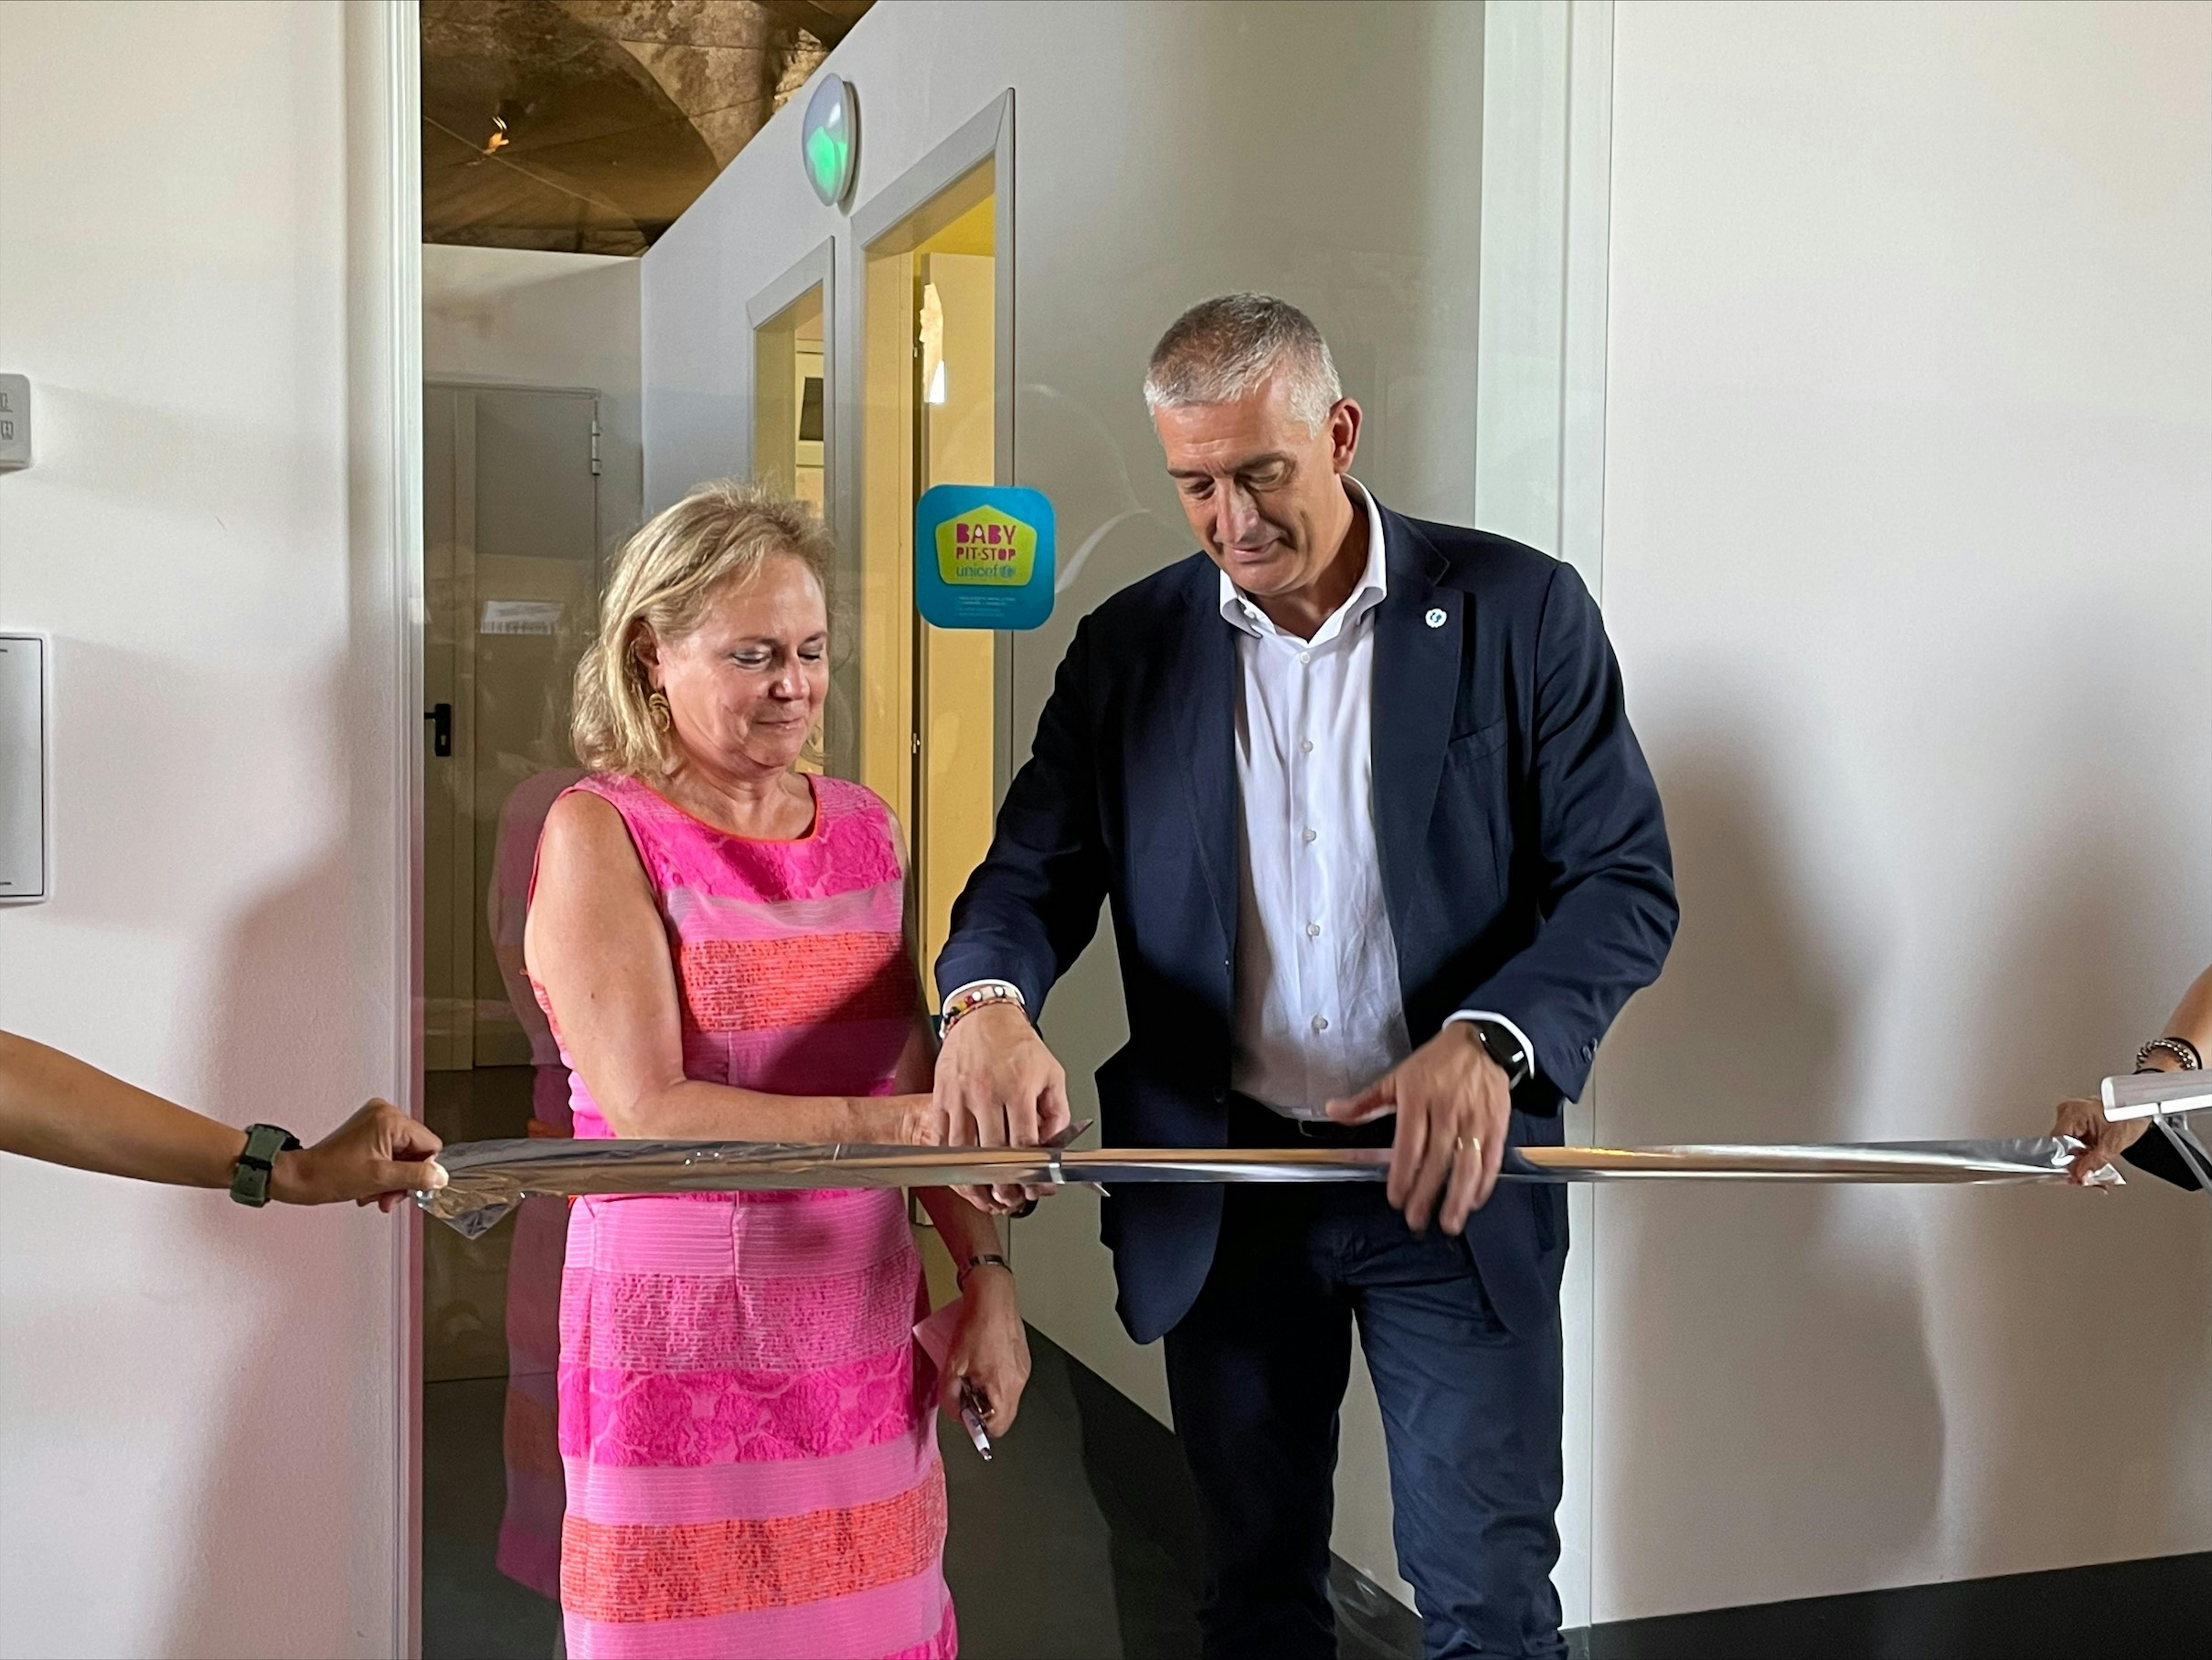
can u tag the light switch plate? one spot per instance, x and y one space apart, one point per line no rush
15 422
23 861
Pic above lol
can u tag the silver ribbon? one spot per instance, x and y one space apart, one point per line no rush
487 1179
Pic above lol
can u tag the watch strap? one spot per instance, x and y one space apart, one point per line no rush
981 1260
1500 1044
249 1179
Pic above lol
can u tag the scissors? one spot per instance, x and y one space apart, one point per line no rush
974 1409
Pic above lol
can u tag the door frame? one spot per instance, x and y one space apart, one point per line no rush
383 401
987 135
1542 327
816 269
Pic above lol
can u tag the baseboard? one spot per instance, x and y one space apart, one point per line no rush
2150 1609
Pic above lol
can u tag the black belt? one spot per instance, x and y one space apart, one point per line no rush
1255 1124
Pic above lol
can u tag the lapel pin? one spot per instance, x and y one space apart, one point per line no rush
1435 617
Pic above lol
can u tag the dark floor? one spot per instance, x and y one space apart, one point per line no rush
470 1611
2155 1610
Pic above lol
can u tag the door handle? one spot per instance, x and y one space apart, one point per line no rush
440 717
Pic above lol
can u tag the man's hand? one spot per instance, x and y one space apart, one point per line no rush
2102 1140
997 1085
1454 1109
380 1155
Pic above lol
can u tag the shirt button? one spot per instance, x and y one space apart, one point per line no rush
1305 746
1313 930
1309 835
1305 657
1321 1022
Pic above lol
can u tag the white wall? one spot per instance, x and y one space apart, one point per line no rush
517 317
1164 153
197 1408
1908 555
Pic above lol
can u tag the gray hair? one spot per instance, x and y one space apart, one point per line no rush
1221 349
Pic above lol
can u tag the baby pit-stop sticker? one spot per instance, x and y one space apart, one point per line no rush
983 557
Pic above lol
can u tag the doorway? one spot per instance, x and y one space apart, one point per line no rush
790 405
794 444
928 714
511 537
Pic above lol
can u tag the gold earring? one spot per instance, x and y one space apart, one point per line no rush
662 717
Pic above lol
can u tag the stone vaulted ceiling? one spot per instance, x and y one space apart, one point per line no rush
588 125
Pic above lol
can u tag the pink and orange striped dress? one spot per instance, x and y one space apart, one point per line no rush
747 1429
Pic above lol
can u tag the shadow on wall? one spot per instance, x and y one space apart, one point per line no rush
256 1574
2090 1312
1795 1384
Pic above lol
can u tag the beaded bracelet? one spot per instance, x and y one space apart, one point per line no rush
961 1005
2180 1048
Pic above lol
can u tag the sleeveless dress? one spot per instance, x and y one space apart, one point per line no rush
748 1437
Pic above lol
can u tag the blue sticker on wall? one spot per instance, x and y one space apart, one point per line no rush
983 557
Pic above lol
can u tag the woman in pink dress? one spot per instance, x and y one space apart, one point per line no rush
718 938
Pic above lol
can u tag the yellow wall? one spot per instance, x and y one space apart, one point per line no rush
943 793
959 680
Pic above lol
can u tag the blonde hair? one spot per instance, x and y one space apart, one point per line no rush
664 578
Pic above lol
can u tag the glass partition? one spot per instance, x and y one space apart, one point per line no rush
512 537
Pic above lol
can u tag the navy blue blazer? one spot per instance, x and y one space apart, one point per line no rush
1524 860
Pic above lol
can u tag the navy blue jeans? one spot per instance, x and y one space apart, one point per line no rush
1471 1414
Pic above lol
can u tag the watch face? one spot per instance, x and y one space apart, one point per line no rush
1503 1048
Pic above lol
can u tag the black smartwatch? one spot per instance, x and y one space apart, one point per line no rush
249 1180
1499 1043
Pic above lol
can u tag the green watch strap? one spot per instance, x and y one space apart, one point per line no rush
249 1181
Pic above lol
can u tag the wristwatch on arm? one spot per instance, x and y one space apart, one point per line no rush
1503 1043
988 1259
249 1179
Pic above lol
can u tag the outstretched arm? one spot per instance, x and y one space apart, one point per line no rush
54 1107
2101 1139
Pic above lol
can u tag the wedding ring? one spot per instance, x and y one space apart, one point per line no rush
1467 1143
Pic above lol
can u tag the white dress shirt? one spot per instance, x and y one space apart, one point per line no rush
1318 1011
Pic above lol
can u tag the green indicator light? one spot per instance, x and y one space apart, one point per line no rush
827 139
825 158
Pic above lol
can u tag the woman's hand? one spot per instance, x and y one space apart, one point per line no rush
377 1156
2102 1140
908 1120
989 1350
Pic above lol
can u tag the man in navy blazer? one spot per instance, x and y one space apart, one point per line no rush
1384 860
